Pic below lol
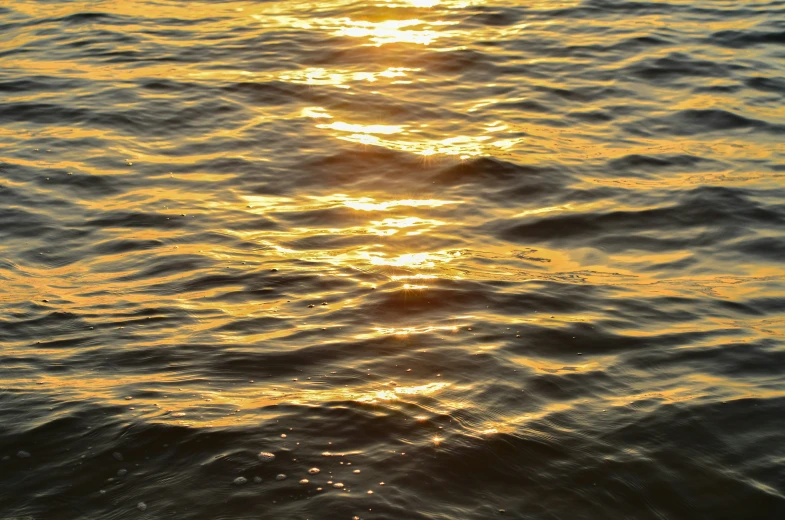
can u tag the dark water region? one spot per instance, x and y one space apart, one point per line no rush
459 259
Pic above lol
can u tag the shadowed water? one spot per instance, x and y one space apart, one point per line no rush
468 258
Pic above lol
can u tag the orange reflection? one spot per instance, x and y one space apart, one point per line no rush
365 129
371 204
392 226
341 78
391 31
407 331
402 391
463 146
369 256
419 260
452 4
376 33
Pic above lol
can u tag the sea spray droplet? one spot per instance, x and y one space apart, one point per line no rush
141 506
266 456
338 485
240 481
117 455
280 476
257 480
314 471
23 454
304 481
122 473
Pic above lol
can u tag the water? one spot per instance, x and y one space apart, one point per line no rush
523 258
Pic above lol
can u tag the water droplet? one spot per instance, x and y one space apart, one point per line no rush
314 471
280 476
240 481
141 506
265 456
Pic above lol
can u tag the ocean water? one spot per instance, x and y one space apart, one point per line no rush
469 259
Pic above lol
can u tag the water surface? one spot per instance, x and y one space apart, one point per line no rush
506 258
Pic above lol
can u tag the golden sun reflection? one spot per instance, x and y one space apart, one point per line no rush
411 269
391 31
418 276
341 78
377 33
410 331
392 226
539 211
365 129
371 204
428 260
463 146
408 140
455 4
400 391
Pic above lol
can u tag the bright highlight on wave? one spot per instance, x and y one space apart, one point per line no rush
413 259
392 226
418 276
463 146
371 204
342 78
402 391
424 3
414 31
391 31
365 129
455 4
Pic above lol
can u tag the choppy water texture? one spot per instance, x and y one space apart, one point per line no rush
509 260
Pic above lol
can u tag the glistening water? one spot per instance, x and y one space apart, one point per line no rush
404 259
